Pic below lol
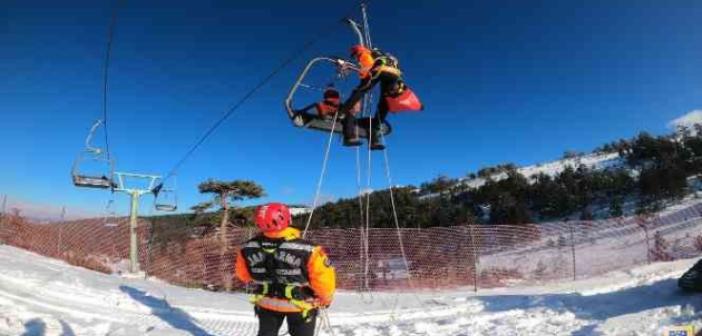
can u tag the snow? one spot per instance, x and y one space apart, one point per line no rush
689 120
595 161
41 296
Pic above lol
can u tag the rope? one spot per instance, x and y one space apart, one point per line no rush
108 53
399 233
321 175
394 214
363 241
366 112
326 321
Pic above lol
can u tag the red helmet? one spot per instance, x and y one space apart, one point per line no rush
272 217
358 49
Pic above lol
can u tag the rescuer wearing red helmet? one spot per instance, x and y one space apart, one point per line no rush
375 67
293 277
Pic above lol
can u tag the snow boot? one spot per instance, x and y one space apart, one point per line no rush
352 141
375 143
350 135
691 281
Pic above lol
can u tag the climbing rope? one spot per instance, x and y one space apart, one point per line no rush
321 175
363 259
326 321
395 217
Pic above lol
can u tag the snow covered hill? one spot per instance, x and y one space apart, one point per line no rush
553 168
41 296
593 161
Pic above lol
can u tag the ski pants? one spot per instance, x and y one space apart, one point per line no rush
389 83
269 322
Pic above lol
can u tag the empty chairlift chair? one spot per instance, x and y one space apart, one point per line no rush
93 168
165 199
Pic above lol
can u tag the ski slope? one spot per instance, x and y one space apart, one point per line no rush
41 296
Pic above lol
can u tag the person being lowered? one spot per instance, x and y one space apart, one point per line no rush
292 277
377 67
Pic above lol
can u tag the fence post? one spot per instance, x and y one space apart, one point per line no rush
474 250
642 221
572 247
3 214
60 232
149 243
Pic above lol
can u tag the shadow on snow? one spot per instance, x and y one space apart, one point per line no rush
160 308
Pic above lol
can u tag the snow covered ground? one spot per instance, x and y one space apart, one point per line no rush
40 296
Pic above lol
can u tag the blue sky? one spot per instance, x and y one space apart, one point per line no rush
502 81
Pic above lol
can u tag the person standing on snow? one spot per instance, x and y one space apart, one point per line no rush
293 277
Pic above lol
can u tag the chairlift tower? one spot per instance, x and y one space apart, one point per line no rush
135 194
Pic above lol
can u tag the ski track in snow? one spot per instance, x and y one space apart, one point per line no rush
41 296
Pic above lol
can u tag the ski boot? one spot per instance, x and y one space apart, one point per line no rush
375 143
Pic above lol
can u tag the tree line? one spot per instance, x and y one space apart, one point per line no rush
652 171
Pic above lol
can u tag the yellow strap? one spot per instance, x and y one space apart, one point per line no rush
255 298
305 306
288 292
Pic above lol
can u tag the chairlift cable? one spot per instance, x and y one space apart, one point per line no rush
106 67
287 61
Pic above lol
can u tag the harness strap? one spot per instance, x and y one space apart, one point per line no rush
305 306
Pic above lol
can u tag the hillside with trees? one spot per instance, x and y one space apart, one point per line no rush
651 172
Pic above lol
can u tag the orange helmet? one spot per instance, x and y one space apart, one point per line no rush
272 217
358 50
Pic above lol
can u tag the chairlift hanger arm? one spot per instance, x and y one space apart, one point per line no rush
104 180
122 187
357 29
89 139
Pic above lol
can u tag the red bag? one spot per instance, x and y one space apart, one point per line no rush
407 101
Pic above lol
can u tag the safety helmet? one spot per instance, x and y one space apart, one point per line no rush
358 49
272 217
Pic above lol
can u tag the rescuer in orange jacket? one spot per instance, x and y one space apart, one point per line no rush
292 277
375 67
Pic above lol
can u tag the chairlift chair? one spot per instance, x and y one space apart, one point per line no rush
91 154
327 124
110 215
165 199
